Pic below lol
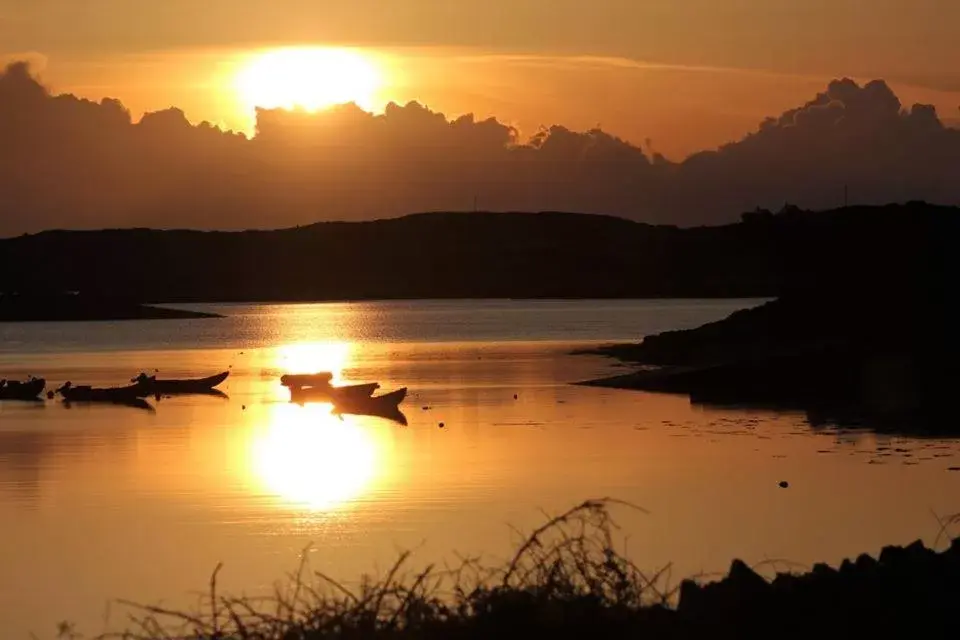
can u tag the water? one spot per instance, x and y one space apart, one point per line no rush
101 503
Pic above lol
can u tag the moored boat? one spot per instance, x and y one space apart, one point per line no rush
373 405
332 394
15 390
301 380
87 393
151 385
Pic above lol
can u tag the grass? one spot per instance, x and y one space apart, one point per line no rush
567 578
570 568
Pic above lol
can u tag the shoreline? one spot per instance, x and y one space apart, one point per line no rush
13 309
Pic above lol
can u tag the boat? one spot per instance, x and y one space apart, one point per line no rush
375 405
302 380
332 394
15 390
154 386
87 393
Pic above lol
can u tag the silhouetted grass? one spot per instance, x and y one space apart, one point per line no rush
569 579
569 569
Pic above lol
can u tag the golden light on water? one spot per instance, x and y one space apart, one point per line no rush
310 78
308 457
313 357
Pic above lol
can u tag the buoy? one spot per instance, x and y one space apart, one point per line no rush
442 425
784 484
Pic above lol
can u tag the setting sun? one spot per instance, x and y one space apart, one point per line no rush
311 78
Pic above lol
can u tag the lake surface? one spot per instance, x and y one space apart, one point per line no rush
105 503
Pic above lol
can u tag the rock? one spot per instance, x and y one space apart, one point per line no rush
865 562
691 597
743 577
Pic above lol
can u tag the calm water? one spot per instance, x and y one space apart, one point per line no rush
101 503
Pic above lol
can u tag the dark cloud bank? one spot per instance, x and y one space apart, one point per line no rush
66 162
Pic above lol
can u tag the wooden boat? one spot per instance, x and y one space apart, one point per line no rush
15 390
87 393
154 386
301 380
332 394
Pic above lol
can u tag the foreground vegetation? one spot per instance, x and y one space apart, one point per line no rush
568 579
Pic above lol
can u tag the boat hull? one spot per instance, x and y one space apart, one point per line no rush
153 386
374 405
349 393
29 390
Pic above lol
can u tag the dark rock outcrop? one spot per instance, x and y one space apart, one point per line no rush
865 327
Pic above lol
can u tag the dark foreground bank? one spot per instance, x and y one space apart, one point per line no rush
568 580
77 308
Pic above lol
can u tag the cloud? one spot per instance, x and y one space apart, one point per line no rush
75 163
578 62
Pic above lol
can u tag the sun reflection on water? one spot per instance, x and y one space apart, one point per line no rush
307 457
313 357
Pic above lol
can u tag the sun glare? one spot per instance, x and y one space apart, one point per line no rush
311 78
313 357
309 458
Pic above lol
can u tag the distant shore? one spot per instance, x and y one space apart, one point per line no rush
76 308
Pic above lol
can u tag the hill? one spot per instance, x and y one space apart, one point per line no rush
894 250
435 255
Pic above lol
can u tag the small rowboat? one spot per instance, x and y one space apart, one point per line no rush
29 390
153 386
347 393
386 406
371 406
87 393
301 380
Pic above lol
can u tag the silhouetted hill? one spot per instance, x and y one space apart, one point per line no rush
437 255
71 163
880 251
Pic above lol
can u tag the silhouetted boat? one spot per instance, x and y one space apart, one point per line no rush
376 405
104 394
29 390
153 386
327 393
301 380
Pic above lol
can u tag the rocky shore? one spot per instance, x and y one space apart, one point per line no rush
909 591
865 329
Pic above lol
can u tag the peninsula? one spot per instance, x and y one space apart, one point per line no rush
864 329
79 307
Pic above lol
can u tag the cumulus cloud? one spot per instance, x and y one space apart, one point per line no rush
67 162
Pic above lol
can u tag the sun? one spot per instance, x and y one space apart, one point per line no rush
310 78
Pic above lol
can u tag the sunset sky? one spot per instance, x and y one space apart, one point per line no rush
680 75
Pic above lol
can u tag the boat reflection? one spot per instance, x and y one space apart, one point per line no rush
308 457
131 403
209 393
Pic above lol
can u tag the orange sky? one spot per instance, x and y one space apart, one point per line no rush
680 75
